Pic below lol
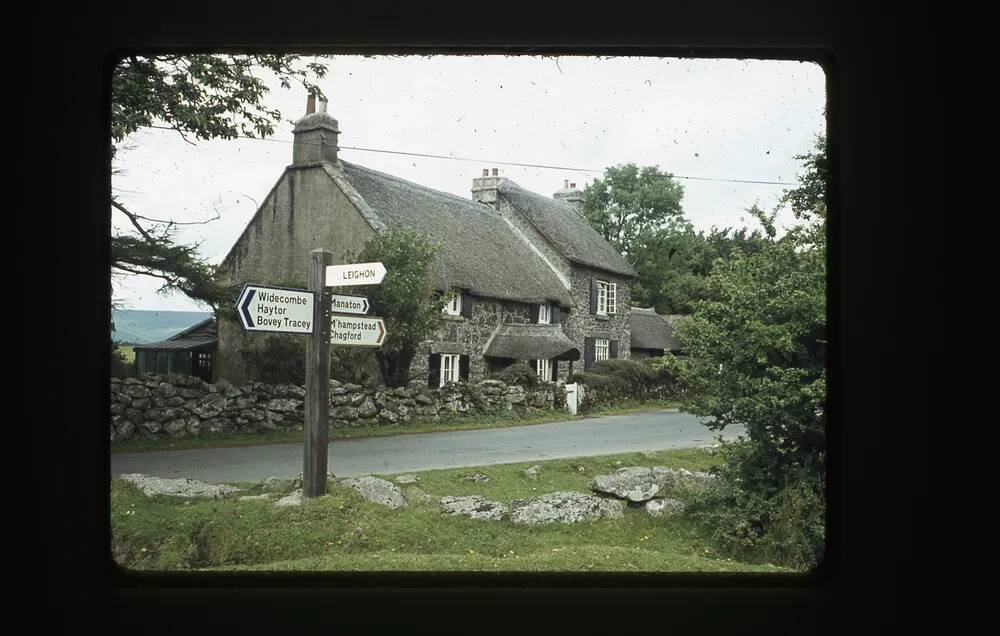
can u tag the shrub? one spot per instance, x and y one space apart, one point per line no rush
519 373
750 517
276 359
601 382
631 371
357 365
120 368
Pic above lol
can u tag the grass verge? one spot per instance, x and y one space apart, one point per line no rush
343 532
503 419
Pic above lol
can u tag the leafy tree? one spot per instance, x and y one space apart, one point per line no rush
673 263
120 367
757 357
630 202
406 300
201 96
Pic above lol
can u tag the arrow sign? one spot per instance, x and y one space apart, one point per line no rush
349 304
354 274
275 309
359 332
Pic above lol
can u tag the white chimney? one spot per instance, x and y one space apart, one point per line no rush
315 135
570 195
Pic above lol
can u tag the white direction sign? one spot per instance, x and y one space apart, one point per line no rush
349 304
275 309
354 274
360 332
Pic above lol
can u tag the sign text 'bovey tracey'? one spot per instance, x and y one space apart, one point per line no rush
275 310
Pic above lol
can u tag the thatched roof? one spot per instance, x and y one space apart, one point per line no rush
204 335
478 251
652 331
530 342
560 223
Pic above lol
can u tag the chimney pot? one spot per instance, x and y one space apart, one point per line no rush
566 183
311 104
486 172
322 105
496 172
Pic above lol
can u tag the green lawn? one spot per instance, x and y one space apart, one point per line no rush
343 532
470 422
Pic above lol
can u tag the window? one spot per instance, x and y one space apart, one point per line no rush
544 370
601 349
543 314
607 297
449 368
454 306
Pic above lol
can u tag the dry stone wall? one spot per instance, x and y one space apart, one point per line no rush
177 406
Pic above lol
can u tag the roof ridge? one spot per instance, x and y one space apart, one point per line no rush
393 177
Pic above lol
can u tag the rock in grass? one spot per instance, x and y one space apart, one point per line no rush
565 507
378 491
263 497
640 483
294 499
407 479
664 507
532 473
479 478
474 507
150 486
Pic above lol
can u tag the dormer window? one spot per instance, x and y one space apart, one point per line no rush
544 314
606 297
454 305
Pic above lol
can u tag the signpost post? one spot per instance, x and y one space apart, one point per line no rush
317 405
329 319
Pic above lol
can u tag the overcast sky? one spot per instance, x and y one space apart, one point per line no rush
727 119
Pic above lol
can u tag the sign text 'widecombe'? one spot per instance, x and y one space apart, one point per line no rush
275 310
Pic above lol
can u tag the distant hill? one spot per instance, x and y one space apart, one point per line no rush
140 326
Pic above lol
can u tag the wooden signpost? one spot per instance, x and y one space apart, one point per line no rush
329 319
339 321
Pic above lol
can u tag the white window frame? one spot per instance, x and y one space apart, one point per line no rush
607 298
449 368
602 349
543 368
544 314
454 305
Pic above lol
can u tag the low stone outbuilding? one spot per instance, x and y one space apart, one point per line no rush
652 334
190 352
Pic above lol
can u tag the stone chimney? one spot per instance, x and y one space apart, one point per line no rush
315 135
484 188
571 195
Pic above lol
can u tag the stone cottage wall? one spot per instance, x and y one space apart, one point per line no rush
177 406
580 324
468 336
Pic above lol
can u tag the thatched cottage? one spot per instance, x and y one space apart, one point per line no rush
528 277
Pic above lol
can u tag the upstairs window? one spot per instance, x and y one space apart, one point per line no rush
543 314
607 297
454 305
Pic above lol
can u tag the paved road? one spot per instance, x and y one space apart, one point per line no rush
426 451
